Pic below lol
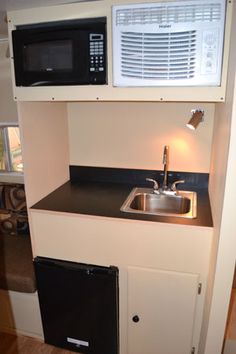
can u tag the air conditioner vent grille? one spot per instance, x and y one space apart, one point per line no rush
168 14
165 56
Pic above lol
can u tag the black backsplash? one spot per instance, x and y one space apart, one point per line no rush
136 177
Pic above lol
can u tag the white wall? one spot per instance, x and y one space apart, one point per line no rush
132 135
8 110
225 264
222 190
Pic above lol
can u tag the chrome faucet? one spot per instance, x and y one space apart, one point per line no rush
166 165
164 188
155 185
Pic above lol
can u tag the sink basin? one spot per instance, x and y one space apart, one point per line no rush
144 201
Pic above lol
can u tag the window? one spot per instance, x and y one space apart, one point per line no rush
10 149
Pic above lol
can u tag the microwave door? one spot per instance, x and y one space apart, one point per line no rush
43 60
60 59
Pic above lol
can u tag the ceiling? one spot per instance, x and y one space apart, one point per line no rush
8 5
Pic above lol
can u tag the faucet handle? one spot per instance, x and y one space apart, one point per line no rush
155 183
173 186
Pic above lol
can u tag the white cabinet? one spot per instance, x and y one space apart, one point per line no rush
161 311
160 265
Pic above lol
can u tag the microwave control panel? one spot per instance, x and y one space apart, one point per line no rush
97 52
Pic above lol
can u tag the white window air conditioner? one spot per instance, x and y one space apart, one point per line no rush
178 43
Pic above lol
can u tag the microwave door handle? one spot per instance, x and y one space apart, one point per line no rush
41 83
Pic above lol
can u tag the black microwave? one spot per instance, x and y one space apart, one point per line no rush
61 53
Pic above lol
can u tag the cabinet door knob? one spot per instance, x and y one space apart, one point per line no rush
135 319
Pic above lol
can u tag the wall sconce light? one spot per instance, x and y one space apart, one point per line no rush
197 117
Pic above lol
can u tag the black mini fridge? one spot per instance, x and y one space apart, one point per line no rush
79 305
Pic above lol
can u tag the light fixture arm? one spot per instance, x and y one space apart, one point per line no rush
196 118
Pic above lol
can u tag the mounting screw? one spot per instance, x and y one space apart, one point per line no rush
135 319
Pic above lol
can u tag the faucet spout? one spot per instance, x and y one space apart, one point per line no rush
166 165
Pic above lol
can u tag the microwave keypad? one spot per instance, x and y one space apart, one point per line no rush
96 51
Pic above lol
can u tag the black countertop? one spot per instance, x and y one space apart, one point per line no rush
106 198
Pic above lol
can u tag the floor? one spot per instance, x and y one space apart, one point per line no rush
230 334
11 344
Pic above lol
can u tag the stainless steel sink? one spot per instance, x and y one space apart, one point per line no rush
144 201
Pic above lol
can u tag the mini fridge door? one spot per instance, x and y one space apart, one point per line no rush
79 305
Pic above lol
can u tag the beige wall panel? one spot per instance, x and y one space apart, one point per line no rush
20 312
223 196
219 156
23 306
108 92
8 110
45 147
133 135
224 237
108 241
223 201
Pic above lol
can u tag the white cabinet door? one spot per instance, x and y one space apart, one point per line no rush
161 308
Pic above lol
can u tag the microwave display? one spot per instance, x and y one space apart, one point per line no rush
61 53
